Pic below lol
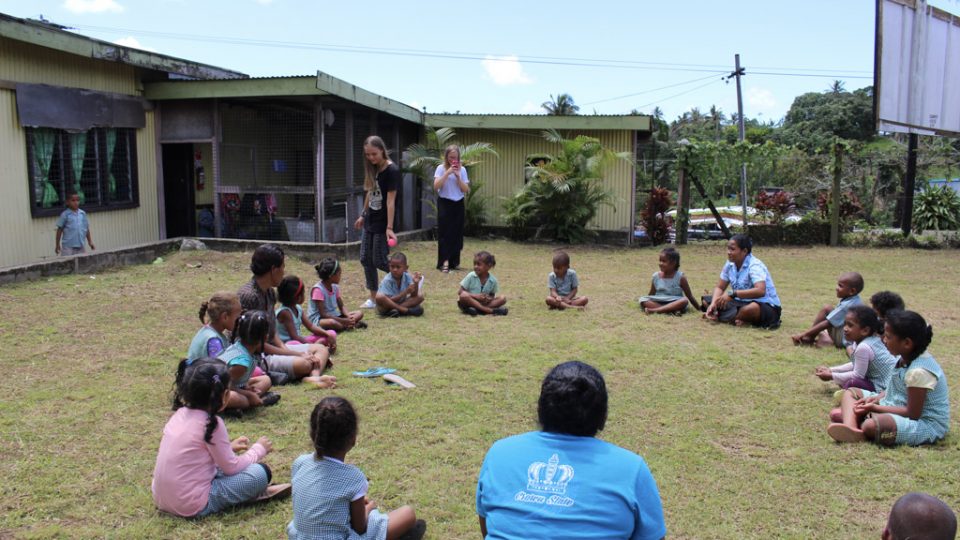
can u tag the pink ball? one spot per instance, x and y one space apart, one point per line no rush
392 242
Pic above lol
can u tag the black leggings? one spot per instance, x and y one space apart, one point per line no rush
450 218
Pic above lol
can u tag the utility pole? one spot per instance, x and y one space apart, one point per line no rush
739 72
909 184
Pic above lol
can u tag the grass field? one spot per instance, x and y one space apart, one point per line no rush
731 421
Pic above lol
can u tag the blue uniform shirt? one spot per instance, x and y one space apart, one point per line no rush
390 287
75 227
563 285
752 271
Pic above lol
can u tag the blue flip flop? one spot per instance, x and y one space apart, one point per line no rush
374 372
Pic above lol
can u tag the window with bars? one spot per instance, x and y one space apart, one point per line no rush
100 164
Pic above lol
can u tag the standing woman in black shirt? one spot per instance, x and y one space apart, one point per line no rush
380 180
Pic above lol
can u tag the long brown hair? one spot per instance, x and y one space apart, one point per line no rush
446 155
369 169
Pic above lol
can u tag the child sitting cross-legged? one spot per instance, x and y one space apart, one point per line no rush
478 291
197 472
222 311
564 284
668 287
871 363
290 317
827 326
400 293
325 308
330 496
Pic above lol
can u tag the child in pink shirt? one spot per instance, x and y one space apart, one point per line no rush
197 472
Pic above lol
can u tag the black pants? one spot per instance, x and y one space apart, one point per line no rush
450 216
373 256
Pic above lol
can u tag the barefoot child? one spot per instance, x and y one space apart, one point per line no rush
72 228
400 292
326 306
827 326
197 472
290 317
246 390
915 409
330 496
222 311
564 284
478 291
871 363
668 287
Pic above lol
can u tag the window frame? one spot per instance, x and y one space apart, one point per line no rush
61 159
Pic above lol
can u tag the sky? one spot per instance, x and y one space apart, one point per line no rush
508 57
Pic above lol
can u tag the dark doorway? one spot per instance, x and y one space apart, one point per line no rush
178 191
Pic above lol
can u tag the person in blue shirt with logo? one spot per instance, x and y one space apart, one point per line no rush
753 297
562 482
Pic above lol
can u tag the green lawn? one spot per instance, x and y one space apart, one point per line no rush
731 421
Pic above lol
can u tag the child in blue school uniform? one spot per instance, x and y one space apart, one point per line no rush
479 290
669 290
871 363
222 311
400 292
915 408
290 318
249 336
73 228
330 496
827 326
564 285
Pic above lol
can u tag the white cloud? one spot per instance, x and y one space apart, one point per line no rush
530 107
132 42
760 101
505 70
92 6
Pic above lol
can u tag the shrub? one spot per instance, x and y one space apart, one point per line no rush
850 207
564 194
775 206
936 208
654 215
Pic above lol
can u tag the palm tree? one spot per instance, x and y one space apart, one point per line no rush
562 105
836 88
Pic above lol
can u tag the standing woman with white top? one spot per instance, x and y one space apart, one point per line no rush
451 184
380 180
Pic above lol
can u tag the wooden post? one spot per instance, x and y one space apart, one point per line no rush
682 222
738 72
835 199
909 184
713 209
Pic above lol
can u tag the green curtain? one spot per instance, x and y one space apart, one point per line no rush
78 150
44 141
111 144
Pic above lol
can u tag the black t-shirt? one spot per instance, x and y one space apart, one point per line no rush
387 180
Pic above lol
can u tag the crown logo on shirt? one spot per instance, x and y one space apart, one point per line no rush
549 477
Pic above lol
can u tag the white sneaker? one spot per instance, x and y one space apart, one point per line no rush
369 304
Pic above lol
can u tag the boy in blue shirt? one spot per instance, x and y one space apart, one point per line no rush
827 326
400 293
72 228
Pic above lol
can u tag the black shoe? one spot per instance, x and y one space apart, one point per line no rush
471 311
415 311
499 311
392 314
360 325
417 532
270 398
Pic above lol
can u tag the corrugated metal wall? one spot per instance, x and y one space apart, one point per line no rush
26 239
502 177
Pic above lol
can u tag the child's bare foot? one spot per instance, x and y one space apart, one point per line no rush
845 433
738 322
797 339
648 311
322 381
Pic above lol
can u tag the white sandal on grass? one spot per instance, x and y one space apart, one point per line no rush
275 491
398 380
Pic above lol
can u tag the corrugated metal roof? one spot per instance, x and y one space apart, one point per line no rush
540 121
53 36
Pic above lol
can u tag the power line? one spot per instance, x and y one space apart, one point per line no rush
426 53
649 91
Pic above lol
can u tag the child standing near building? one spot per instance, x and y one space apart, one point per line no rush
915 409
290 317
72 228
330 496
564 284
827 326
478 291
400 292
871 363
326 306
668 287
197 472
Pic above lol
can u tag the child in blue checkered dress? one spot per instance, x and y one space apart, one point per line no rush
915 408
329 496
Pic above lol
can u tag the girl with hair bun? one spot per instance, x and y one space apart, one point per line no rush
197 471
330 496
915 409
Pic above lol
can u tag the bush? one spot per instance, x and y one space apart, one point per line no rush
654 215
936 208
806 232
